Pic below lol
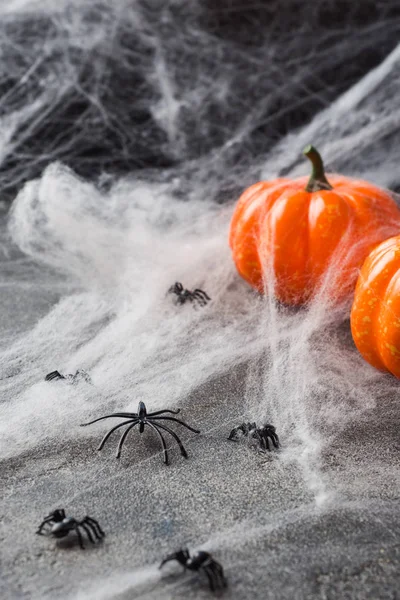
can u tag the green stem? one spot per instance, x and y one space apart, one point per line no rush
317 180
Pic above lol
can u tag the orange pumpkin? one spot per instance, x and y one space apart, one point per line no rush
375 314
303 235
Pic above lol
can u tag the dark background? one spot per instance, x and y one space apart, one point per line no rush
264 68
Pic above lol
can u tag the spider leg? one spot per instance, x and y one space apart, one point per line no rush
275 439
217 567
244 428
167 559
219 573
210 577
269 433
215 573
181 557
233 433
161 412
202 293
95 524
164 445
176 288
121 415
269 440
78 533
105 438
93 529
50 519
54 375
264 441
42 525
200 298
88 532
176 421
123 437
181 446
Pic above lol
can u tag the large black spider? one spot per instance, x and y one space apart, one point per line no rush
61 526
183 295
142 418
200 561
261 434
78 376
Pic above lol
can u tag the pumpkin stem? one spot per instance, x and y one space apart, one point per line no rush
317 180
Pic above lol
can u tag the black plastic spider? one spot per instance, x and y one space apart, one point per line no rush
261 434
61 526
142 418
200 561
183 295
79 375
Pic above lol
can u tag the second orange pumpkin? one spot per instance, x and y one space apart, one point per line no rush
375 314
298 236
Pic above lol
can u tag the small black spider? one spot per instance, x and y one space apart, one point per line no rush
79 375
142 418
61 526
183 295
261 434
200 560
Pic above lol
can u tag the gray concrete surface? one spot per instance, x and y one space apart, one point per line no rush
253 511
259 519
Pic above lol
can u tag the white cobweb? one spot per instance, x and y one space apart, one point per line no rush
99 256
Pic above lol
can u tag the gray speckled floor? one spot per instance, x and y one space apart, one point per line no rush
275 542
253 511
